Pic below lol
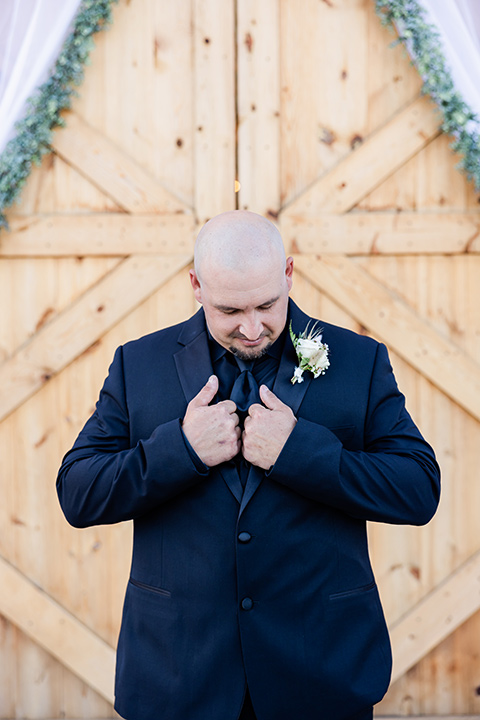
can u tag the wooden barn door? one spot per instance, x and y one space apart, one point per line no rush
300 111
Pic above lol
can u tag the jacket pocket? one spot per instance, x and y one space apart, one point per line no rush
150 588
352 592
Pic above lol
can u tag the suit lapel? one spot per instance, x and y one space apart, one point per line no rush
194 367
229 473
291 395
255 477
193 362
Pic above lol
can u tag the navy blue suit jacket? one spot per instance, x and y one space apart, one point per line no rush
272 584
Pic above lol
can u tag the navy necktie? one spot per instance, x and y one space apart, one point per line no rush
240 381
244 393
245 388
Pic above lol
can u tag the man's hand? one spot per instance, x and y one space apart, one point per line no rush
212 430
266 429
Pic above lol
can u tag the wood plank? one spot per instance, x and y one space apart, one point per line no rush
111 169
215 120
72 332
325 77
436 617
258 41
382 233
366 167
56 630
388 317
117 234
139 90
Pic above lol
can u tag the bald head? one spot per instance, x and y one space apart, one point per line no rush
238 241
242 279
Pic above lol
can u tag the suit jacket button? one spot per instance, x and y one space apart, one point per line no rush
247 603
244 537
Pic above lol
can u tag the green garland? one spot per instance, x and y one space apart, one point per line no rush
34 131
424 46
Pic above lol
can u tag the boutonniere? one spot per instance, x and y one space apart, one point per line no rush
312 354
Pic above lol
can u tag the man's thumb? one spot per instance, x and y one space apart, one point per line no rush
207 393
269 399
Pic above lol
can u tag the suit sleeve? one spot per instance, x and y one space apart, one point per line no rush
104 480
394 478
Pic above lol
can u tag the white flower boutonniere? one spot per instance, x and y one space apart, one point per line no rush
312 354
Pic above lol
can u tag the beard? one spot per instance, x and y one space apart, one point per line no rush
253 354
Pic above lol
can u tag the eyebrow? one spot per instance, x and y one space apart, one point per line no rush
228 308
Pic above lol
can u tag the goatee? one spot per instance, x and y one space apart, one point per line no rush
252 355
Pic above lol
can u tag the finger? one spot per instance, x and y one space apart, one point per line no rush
270 400
206 394
229 406
254 410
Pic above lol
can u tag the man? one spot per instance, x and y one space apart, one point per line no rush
251 593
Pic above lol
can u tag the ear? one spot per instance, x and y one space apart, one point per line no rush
197 288
289 272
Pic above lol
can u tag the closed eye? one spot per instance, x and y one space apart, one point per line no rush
267 307
226 310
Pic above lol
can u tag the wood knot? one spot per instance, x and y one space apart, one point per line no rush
356 141
327 136
248 42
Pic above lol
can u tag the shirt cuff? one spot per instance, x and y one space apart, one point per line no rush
199 464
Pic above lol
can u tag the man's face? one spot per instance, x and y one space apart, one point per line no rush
245 311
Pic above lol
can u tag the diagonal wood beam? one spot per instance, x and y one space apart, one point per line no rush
387 316
111 170
382 233
74 330
98 234
56 630
366 167
436 616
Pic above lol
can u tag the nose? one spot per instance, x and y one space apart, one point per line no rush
251 326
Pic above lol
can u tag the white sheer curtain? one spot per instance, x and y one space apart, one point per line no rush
31 36
458 24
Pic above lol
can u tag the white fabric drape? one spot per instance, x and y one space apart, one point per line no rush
458 25
31 36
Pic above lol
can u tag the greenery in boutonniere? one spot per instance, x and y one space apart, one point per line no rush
424 46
